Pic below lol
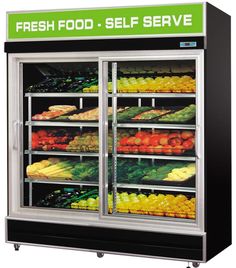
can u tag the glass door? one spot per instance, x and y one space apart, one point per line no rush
60 136
149 154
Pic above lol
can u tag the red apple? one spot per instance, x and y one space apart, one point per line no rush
186 135
167 149
188 145
163 140
174 135
175 141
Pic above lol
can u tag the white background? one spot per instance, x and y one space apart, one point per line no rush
46 257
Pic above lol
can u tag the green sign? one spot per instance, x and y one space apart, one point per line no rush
108 23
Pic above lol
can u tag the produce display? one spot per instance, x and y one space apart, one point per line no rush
66 82
181 174
166 84
144 113
89 141
148 115
163 205
51 140
128 171
129 113
92 114
180 116
65 197
72 141
155 68
168 205
158 142
54 111
64 169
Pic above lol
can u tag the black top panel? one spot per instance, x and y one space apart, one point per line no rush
103 45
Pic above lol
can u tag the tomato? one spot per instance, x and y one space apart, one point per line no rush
142 148
146 140
123 141
134 149
141 134
131 140
42 133
35 136
150 150
154 141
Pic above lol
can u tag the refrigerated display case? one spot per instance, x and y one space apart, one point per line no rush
121 144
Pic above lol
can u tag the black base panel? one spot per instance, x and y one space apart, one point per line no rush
106 239
103 45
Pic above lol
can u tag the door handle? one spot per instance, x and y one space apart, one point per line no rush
16 124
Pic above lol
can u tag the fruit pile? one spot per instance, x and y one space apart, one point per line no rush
158 142
51 140
67 197
167 205
51 168
167 84
54 111
180 116
155 68
164 205
181 174
128 170
148 115
173 171
84 142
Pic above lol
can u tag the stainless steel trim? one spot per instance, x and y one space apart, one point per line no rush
155 95
161 157
103 138
157 187
200 175
152 218
119 95
105 252
114 136
15 128
60 181
155 125
204 248
62 95
61 153
61 124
